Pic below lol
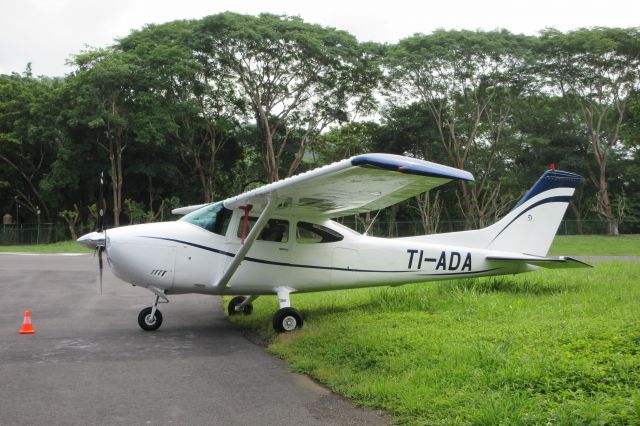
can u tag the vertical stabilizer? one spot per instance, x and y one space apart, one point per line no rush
532 224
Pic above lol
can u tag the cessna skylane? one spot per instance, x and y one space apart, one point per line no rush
279 239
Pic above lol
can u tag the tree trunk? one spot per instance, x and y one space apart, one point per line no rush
603 201
269 160
271 163
429 209
115 156
392 228
606 211
210 188
578 216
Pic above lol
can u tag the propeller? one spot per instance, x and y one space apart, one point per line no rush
101 247
97 240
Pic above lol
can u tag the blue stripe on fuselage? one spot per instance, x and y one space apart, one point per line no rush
269 262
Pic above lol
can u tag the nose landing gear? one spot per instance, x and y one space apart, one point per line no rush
241 304
150 319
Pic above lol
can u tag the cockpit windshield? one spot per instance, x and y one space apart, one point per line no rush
213 217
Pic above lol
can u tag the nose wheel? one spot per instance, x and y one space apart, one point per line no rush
241 304
150 319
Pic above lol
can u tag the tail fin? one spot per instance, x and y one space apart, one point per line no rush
529 228
532 224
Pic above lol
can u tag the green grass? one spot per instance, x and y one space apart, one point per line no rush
61 247
596 245
549 347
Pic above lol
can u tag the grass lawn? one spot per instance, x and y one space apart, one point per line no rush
596 245
548 347
62 247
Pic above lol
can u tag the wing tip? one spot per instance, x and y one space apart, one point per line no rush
408 165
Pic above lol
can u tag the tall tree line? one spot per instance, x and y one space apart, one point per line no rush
195 111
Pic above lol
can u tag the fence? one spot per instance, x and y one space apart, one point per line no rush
46 233
27 234
34 233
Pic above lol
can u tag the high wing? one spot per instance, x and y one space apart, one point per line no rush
355 185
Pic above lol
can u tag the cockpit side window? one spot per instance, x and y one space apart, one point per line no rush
214 218
276 230
310 233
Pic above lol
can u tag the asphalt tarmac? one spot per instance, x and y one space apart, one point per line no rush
90 363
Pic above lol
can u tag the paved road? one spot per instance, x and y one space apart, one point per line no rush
89 363
596 259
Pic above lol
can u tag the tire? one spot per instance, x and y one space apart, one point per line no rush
246 309
286 320
146 323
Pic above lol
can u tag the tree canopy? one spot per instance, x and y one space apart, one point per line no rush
193 111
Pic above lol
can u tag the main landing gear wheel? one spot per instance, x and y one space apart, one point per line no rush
235 303
287 319
148 322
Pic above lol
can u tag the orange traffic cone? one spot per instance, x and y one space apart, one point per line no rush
27 327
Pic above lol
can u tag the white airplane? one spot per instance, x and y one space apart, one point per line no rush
279 239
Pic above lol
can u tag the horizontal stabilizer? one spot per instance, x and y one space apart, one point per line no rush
542 262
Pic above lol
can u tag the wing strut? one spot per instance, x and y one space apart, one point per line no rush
248 242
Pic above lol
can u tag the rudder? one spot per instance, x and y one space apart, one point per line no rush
532 224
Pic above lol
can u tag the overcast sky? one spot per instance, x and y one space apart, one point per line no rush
47 32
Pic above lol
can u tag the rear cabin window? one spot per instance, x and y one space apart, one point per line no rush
214 218
276 230
311 233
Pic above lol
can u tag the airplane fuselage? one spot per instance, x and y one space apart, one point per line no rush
179 257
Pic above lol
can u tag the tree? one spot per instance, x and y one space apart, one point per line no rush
194 90
292 75
102 89
546 136
71 217
28 136
345 141
467 80
595 71
115 96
